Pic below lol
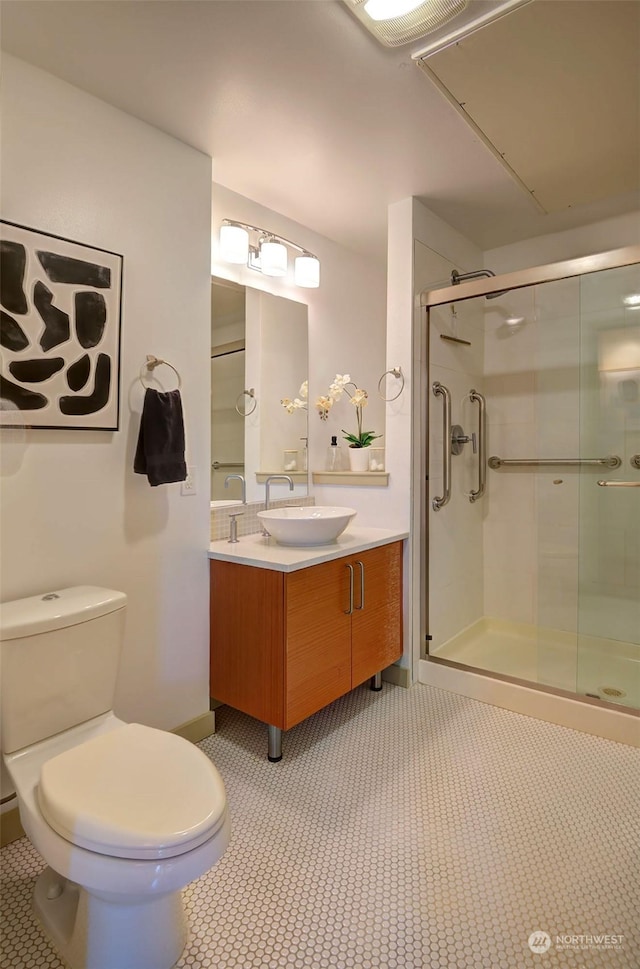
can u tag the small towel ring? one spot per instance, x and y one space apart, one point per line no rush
398 374
151 364
246 393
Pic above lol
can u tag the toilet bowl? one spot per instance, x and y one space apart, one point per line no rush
124 815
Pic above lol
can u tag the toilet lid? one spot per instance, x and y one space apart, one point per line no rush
134 792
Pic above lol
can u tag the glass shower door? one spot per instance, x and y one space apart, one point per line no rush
608 653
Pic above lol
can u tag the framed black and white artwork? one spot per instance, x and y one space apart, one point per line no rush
59 331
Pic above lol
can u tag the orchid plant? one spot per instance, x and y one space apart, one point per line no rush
359 399
298 403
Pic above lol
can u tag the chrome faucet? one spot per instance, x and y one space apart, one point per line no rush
238 477
274 477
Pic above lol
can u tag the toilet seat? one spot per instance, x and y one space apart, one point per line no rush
135 792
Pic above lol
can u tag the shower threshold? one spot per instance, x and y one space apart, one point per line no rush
546 673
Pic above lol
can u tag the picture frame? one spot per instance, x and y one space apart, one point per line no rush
60 332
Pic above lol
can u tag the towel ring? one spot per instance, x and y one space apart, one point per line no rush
151 364
246 393
398 374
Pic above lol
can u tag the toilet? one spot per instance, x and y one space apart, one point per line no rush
124 815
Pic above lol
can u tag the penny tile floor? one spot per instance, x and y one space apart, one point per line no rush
408 829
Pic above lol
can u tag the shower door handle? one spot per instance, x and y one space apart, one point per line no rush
479 399
439 390
619 484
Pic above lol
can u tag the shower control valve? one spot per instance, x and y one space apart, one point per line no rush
459 439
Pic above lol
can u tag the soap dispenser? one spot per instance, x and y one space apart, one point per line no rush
334 456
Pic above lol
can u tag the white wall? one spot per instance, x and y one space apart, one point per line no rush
615 233
73 511
347 322
422 252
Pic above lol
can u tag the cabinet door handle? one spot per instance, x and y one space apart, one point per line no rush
361 606
348 611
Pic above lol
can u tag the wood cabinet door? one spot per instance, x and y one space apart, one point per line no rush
247 640
377 626
318 638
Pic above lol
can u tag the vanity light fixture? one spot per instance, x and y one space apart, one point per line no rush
234 243
266 252
273 257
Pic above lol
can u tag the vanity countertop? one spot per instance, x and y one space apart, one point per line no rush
265 553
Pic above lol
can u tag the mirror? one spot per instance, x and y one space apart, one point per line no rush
259 355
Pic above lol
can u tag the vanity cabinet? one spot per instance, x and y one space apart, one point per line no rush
285 644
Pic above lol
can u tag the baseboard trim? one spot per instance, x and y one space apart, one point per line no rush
399 675
10 827
197 729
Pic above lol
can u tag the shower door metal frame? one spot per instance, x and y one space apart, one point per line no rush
521 279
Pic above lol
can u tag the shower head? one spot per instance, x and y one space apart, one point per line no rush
457 278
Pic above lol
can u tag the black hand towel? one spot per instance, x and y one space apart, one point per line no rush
160 450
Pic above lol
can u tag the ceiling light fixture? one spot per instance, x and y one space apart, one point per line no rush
398 22
388 9
266 252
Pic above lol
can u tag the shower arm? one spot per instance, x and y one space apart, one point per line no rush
457 278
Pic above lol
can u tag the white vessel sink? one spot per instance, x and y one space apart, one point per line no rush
313 525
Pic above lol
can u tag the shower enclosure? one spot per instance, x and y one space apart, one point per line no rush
533 468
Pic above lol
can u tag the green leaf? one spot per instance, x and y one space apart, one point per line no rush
360 440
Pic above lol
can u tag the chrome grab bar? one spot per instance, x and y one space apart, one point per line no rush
611 461
349 611
479 398
440 390
619 484
218 465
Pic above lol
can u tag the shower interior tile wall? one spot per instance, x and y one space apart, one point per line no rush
610 552
553 551
456 531
532 379
513 555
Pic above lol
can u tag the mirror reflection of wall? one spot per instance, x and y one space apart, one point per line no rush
227 382
259 342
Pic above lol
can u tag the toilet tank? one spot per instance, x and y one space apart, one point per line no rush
59 655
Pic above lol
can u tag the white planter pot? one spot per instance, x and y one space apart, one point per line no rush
358 458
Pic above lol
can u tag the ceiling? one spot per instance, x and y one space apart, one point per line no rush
304 112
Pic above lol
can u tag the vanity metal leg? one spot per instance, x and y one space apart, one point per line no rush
275 744
376 682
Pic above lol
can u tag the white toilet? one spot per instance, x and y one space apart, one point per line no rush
124 815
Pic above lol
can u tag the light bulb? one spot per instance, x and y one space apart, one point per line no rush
388 9
307 271
273 258
234 244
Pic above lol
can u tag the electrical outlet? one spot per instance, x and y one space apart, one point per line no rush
188 486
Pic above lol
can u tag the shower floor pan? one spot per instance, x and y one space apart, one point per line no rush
606 669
